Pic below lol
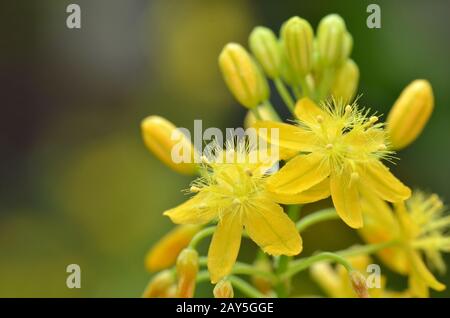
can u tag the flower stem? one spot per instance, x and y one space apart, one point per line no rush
366 249
316 217
284 93
305 87
305 263
245 287
201 235
266 105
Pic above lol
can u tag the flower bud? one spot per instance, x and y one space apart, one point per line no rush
358 282
263 284
160 285
346 82
242 76
297 39
165 252
223 289
187 268
265 47
331 41
410 113
163 139
347 46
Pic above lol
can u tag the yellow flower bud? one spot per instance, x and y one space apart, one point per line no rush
359 284
346 82
242 76
297 39
187 268
163 139
331 40
165 252
160 285
410 113
223 289
286 71
265 47
263 284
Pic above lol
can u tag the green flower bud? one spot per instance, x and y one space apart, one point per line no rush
265 47
346 82
242 76
330 40
297 38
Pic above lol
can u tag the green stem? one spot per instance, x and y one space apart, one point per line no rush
305 87
245 287
284 93
316 217
201 235
202 276
305 263
366 249
240 268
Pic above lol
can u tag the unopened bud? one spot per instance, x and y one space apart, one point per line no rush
187 268
297 39
263 284
265 47
165 252
223 289
330 40
346 82
160 285
163 139
242 76
410 113
358 282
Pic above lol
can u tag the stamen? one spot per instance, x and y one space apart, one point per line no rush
204 159
249 172
348 109
202 206
373 119
319 119
354 177
329 146
382 147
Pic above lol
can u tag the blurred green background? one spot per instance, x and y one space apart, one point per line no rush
77 184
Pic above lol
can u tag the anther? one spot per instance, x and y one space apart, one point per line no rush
204 159
202 206
249 172
382 147
319 119
194 189
354 177
373 119
329 146
348 109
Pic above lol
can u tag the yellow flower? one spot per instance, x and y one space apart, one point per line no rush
232 190
161 285
339 150
420 228
165 252
335 282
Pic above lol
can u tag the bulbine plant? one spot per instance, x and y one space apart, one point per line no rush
330 147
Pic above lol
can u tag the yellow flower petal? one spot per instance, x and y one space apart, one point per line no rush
422 271
378 177
289 136
308 112
270 228
299 174
193 211
165 252
344 193
224 247
318 192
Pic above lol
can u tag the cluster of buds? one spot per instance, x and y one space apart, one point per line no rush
316 66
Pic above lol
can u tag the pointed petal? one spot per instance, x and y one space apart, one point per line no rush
289 136
308 112
299 174
422 271
193 211
378 177
270 228
224 247
344 193
318 192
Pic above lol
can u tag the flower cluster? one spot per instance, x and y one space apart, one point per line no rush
330 148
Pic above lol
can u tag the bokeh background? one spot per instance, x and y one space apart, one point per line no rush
76 183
